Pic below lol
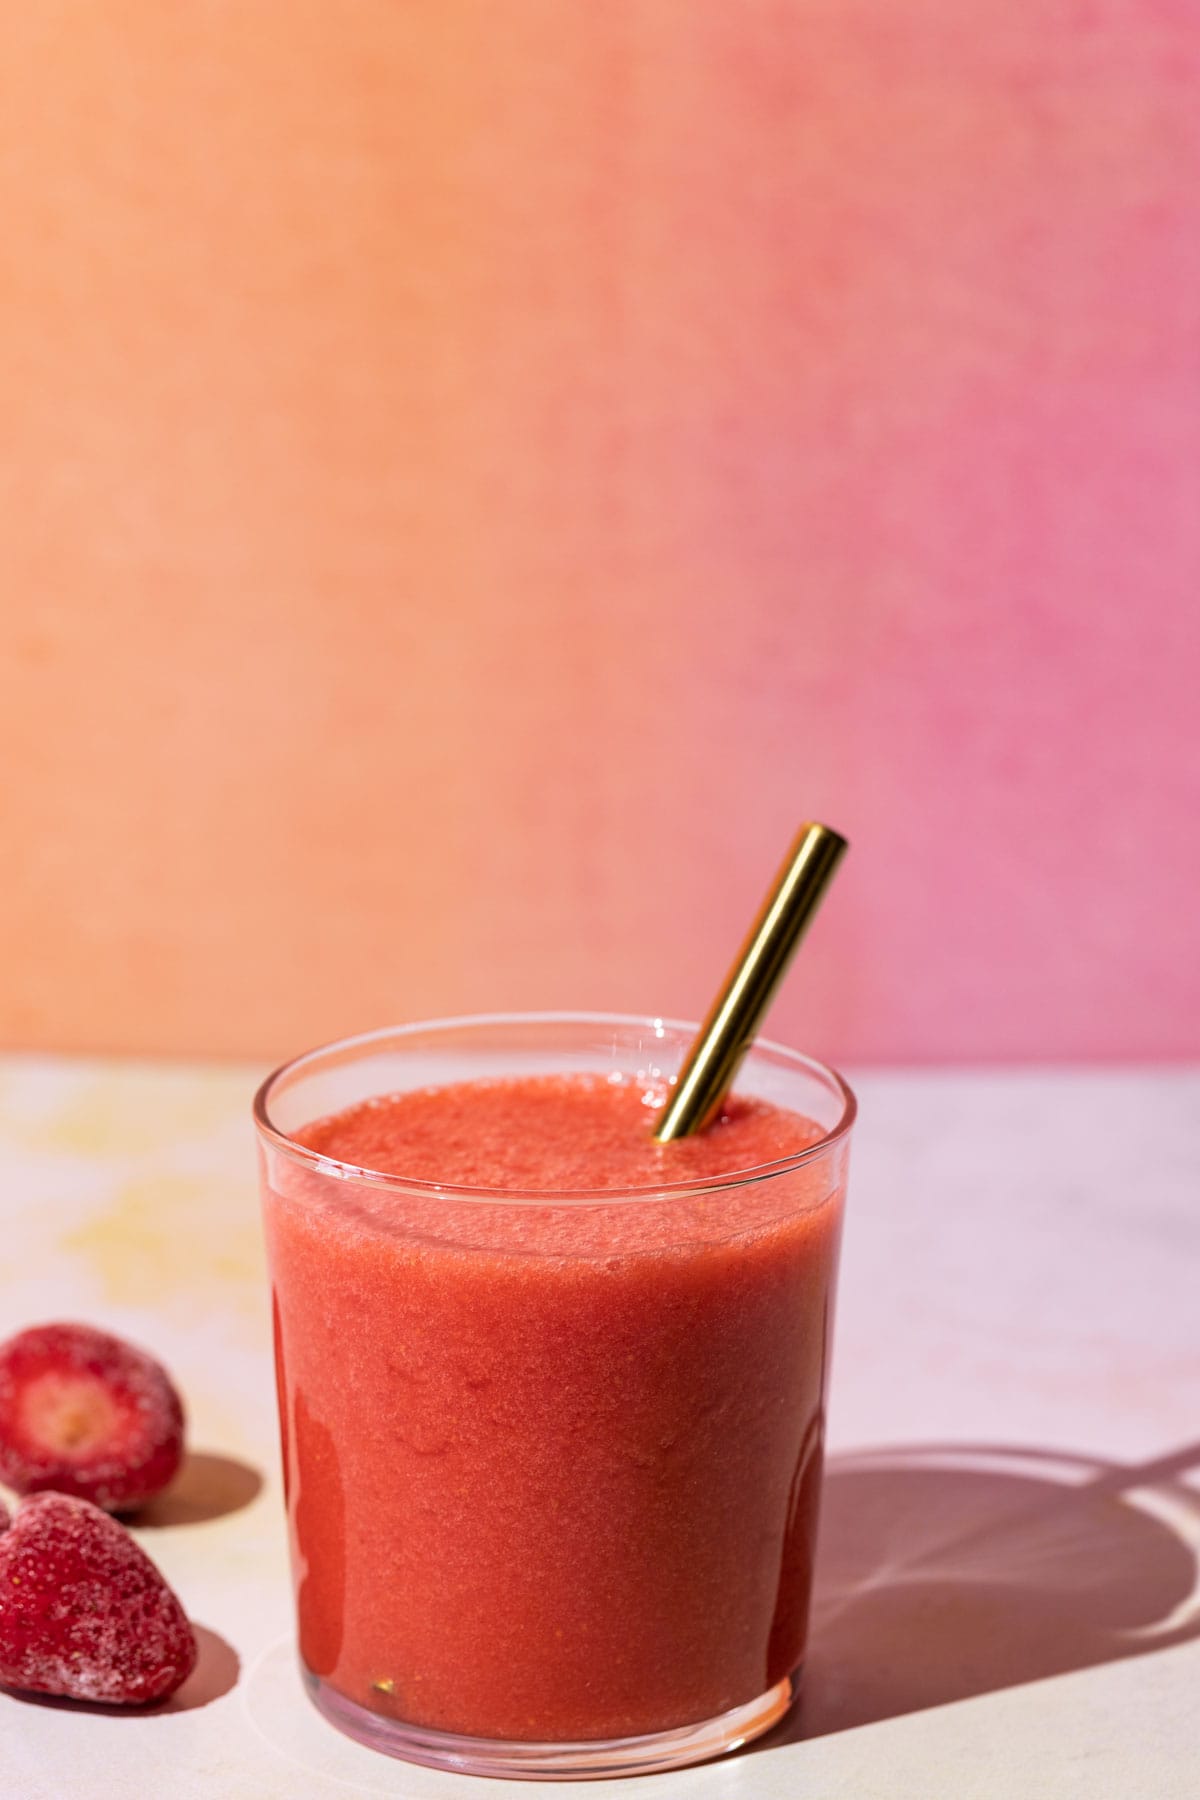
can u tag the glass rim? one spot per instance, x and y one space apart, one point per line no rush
278 1139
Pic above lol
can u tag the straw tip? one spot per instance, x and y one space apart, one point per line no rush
826 831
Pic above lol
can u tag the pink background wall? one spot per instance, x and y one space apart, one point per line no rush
466 495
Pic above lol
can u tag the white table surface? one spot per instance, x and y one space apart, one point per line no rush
1008 1601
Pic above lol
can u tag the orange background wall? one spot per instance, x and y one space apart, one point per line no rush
472 478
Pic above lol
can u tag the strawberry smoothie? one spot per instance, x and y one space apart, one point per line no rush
553 1429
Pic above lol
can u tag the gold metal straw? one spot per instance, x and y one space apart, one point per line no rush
736 1013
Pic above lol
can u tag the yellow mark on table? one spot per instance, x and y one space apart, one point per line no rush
129 1114
170 1235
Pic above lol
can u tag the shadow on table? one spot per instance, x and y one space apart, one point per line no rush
215 1674
207 1487
946 1572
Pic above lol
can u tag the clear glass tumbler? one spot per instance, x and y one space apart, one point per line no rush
552 1460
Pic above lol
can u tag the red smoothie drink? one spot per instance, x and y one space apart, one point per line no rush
552 1403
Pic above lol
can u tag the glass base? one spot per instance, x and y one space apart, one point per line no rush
587 1761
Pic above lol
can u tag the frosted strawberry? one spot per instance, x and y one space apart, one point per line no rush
83 1610
85 1413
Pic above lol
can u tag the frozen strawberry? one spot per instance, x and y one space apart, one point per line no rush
83 1610
85 1413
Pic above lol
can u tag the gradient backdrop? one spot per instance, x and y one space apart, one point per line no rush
473 477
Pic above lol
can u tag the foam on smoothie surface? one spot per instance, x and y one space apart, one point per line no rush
551 1134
